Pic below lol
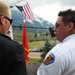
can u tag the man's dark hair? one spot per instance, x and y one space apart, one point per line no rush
68 16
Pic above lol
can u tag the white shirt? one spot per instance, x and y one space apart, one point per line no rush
63 62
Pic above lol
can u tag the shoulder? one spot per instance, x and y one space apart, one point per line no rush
58 52
4 38
6 42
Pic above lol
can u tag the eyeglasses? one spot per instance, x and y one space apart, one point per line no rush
57 25
10 20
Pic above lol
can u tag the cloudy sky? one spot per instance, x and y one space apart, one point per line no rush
48 9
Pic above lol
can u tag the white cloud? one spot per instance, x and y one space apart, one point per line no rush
48 12
48 9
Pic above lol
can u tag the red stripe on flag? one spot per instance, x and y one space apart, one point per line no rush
31 14
28 14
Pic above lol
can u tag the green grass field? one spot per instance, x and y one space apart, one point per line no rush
36 44
33 60
39 44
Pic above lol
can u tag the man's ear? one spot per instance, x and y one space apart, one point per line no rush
70 26
2 20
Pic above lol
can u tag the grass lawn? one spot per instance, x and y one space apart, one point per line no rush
39 44
33 60
36 44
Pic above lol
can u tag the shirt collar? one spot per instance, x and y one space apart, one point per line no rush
69 37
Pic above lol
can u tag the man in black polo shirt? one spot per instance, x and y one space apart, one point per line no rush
11 53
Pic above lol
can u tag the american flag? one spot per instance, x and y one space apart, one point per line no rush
28 14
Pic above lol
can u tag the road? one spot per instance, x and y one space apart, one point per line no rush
35 54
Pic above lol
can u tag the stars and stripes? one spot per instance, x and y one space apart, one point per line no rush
26 10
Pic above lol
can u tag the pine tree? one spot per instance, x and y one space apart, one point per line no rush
35 35
47 47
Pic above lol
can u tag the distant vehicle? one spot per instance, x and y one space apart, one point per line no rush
36 50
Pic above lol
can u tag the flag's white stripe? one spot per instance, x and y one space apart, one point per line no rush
27 12
31 13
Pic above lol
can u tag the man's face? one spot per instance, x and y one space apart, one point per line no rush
60 29
5 22
8 20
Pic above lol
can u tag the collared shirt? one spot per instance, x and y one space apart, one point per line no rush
62 60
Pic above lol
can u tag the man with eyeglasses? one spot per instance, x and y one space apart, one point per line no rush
11 53
60 60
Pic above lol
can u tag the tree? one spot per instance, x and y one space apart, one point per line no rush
35 35
46 33
47 47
